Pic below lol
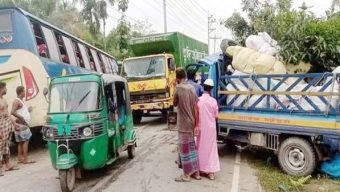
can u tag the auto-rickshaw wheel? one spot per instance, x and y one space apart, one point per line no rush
131 151
67 179
137 116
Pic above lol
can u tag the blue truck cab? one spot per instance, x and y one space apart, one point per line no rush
299 121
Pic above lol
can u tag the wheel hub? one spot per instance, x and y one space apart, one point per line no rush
296 158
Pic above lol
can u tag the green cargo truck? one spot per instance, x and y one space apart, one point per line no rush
151 73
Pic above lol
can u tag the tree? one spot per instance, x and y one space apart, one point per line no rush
239 27
141 27
301 35
40 8
118 39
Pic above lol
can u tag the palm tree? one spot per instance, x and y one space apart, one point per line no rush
95 10
335 4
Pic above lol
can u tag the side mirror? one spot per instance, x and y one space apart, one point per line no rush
171 64
45 92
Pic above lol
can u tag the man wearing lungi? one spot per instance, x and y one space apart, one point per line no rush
185 99
6 129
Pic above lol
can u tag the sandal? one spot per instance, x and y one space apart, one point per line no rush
196 176
211 176
28 162
182 179
13 168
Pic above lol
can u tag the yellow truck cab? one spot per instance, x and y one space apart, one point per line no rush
151 74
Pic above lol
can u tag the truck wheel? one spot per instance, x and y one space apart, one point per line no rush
137 116
67 179
297 157
131 151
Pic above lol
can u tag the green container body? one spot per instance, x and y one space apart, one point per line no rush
185 49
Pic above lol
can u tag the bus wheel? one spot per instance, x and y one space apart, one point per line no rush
131 151
67 179
137 116
297 157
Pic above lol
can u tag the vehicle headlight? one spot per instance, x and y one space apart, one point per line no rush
87 131
49 133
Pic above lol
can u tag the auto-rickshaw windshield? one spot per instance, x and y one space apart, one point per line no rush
75 97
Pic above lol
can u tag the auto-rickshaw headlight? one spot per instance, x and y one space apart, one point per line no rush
87 131
49 133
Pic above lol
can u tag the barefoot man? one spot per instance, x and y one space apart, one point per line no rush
22 130
6 128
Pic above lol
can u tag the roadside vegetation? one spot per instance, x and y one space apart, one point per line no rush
273 179
302 36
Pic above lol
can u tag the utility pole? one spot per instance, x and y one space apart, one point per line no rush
215 38
13 1
104 38
164 7
211 20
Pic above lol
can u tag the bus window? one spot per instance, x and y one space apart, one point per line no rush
101 62
96 61
6 22
114 65
84 55
62 50
80 60
92 63
51 43
39 37
109 64
106 64
70 51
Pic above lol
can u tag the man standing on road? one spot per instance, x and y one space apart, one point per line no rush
186 100
22 130
206 142
191 80
6 128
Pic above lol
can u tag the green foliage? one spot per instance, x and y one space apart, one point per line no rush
239 27
118 40
40 8
300 34
316 42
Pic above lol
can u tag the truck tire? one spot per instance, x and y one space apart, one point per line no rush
137 116
297 157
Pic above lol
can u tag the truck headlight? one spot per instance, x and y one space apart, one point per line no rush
87 131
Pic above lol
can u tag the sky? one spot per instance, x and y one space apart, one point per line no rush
191 16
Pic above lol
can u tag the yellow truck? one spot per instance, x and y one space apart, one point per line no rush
151 74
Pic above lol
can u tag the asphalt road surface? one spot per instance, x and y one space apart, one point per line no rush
152 170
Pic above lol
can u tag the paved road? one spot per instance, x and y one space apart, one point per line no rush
152 170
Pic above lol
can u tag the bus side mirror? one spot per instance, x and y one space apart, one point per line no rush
45 92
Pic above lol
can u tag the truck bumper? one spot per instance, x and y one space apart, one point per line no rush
152 106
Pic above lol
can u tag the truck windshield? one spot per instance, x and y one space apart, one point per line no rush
144 67
74 97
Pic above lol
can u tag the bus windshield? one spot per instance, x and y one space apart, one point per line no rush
74 97
144 67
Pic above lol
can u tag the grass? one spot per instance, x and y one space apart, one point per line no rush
272 178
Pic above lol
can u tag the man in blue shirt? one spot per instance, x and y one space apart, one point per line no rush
191 73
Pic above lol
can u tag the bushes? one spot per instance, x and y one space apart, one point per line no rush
316 42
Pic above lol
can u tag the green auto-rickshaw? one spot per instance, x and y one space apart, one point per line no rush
89 122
